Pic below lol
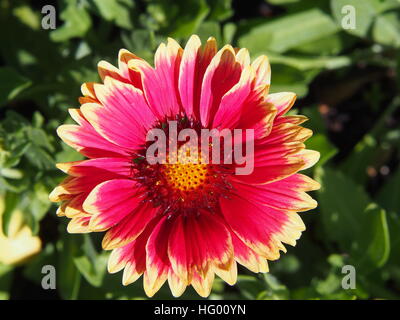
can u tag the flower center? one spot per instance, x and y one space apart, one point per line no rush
186 177
184 184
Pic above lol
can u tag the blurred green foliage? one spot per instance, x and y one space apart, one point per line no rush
347 82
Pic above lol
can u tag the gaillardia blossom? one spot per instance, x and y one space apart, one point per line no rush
185 221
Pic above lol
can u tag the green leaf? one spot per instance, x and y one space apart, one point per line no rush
331 45
386 29
11 201
39 157
320 142
181 18
209 29
116 11
379 248
39 202
349 218
250 287
76 22
68 276
92 272
365 12
91 264
342 203
281 2
5 281
229 31
28 16
287 78
11 84
307 63
275 290
368 150
388 196
220 9
288 32
141 42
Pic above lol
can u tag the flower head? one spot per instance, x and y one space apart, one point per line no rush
187 217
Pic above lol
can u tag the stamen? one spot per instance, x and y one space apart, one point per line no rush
183 187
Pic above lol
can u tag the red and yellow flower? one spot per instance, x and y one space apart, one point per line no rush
185 222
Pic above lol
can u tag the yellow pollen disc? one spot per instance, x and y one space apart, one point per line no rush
187 173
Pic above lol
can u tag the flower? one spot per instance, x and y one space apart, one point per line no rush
186 221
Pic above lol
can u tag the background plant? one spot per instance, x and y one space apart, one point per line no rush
347 82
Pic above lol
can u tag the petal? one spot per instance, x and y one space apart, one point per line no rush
203 283
106 69
125 118
177 249
127 102
231 106
124 56
271 169
221 75
89 95
286 132
195 61
131 256
188 73
130 227
88 90
85 175
157 262
110 202
161 84
259 227
73 208
120 167
177 286
198 244
280 154
79 224
248 257
263 70
243 57
229 275
86 140
284 194
310 157
283 101
257 114
113 127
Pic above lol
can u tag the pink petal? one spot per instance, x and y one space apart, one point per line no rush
283 101
285 194
161 84
85 139
254 225
193 66
130 227
231 106
157 262
96 168
221 75
110 202
124 56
